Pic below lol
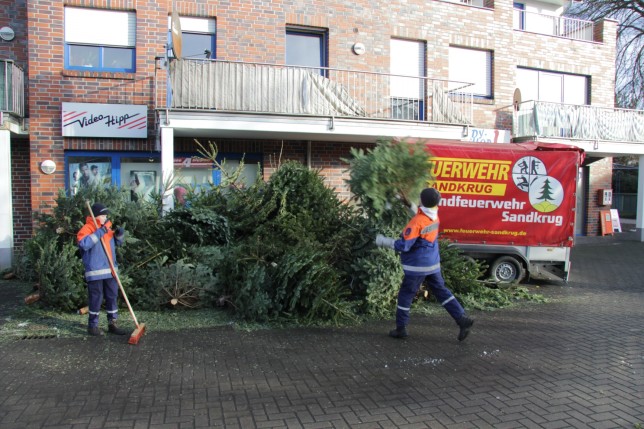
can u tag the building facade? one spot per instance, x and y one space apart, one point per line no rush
124 91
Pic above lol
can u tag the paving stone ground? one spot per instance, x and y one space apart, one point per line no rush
575 362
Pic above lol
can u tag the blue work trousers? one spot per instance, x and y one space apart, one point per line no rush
97 290
436 284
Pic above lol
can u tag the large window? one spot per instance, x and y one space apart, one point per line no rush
99 40
540 85
306 47
407 58
197 37
140 173
471 66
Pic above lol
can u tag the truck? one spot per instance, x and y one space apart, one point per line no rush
511 205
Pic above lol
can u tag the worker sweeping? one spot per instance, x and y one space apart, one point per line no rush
101 283
419 253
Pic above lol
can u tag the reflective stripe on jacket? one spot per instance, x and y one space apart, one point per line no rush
418 246
97 266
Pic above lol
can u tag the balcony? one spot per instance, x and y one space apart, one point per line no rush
12 89
267 89
555 120
560 26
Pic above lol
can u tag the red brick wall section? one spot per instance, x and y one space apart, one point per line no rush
601 173
51 85
21 189
325 157
14 16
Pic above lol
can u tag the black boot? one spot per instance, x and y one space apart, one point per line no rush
94 331
400 332
113 329
465 323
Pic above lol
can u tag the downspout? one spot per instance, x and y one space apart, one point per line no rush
308 154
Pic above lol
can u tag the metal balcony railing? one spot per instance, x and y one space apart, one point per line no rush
555 120
560 26
227 86
12 88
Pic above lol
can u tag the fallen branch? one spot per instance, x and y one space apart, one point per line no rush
31 298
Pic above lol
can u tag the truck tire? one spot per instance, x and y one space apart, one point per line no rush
507 269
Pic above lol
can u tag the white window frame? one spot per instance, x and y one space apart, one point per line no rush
552 86
196 25
472 66
99 30
407 58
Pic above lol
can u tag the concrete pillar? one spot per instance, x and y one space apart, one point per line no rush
639 222
6 205
167 167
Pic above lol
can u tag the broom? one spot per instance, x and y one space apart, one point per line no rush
140 328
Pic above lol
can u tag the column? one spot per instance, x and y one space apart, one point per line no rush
6 204
167 167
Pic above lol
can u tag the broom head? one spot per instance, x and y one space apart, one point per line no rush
137 334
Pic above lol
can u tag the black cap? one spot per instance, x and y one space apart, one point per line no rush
430 197
99 209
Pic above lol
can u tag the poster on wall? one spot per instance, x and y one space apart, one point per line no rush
84 174
142 184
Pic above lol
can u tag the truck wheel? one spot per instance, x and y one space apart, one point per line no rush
507 269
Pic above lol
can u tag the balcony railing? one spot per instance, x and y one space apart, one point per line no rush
543 119
12 88
560 26
226 86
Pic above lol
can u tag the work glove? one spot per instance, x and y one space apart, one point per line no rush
106 227
120 231
382 241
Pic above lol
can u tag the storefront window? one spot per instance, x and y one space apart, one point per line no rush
85 171
140 173
193 172
142 176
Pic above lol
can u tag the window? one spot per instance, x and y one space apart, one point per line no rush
140 173
519 16
306 48
99 40
472 66
407 58
197 37
87 171
553 87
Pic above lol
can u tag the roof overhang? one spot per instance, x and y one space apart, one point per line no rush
601 148
282 127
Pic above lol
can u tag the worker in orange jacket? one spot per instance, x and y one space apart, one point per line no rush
98 273
419 253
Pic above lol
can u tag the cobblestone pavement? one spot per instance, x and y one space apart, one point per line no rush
575 362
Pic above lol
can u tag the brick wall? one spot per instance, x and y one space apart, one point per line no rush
21 187
14 15
51 85
255 31
600 177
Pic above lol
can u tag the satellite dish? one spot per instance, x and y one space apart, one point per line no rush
516 98
175 32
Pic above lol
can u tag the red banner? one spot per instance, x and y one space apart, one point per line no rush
519 194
